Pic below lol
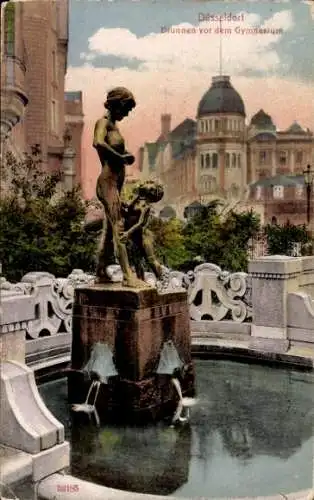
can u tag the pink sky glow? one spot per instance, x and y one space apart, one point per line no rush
284 100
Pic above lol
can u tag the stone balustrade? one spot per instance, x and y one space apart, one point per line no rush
255 307
268 311
32 444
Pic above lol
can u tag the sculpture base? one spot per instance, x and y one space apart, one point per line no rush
134 324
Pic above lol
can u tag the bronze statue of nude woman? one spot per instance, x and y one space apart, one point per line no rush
113 156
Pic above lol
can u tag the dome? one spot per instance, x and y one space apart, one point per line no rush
262 119
221 97
295 128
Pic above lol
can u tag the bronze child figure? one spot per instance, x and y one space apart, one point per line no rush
138 238
113 155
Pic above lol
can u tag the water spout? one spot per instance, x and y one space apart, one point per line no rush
101 366
169 359
100 363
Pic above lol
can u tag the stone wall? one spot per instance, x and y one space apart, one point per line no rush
271 307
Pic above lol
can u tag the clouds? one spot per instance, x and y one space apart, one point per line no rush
190 46
173 71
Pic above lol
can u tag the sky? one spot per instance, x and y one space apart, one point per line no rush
126 42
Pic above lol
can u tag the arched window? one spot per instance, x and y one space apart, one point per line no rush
215 160
202 160
227 160
278 192
234 160
207 160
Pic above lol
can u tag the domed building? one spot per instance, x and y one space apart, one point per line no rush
220 142
218 156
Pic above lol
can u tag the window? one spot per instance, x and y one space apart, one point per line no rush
262 157
201 126
239 161
9 29
299 191
217 127
258 192
54 116
234 160
227 160
282 157
207 160
278 192
299 157
54 67
215 160
202 160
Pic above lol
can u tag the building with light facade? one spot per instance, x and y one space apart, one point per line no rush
218 155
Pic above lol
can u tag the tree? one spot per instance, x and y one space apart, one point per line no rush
280 239
41 228
221 241
169 242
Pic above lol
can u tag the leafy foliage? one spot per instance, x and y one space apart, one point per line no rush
280 239
207 237
40 227
223 241
169 242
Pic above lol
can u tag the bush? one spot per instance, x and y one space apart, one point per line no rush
41 229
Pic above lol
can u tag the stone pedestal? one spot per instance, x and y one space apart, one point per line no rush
273 278
135 324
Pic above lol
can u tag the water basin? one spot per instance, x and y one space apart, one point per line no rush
250 434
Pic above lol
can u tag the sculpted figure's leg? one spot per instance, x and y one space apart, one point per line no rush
105 253
129 279
150 254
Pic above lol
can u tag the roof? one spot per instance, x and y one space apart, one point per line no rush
221 98
264 136
280 180
187 127
262 119
295 128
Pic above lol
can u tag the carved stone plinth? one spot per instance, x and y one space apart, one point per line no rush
134 324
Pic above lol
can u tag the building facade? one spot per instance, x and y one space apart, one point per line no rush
34 45
220 156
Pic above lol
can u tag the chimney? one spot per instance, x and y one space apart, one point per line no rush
140 158
165 125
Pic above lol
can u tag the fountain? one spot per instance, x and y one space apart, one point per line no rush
131 353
